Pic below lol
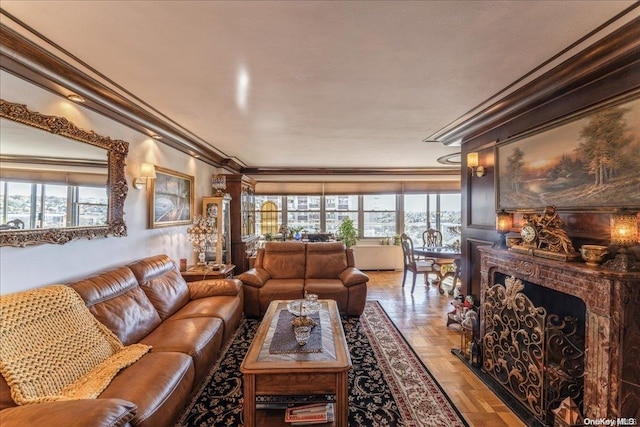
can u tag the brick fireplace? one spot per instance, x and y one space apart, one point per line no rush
611 381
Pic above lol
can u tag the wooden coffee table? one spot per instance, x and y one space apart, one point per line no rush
267 374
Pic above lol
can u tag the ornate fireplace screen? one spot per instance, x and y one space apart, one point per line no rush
537 357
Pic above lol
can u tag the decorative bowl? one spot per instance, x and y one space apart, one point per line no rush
303 307
593 255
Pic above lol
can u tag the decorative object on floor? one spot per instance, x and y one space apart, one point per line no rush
219 184
567 414
543 236
202 233
504 223
388 385
624 234
593 255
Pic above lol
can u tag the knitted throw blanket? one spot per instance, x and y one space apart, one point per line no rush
53 348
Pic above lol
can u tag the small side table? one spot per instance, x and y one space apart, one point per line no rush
199 272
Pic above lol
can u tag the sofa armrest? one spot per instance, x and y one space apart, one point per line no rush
214 288
69 413
255 277
352 276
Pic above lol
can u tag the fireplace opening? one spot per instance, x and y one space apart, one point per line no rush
533 344
553 301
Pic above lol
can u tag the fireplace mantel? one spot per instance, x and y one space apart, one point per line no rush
612 327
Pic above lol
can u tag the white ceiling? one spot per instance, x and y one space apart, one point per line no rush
346 84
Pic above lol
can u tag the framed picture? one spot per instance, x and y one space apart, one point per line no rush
590 161
171 200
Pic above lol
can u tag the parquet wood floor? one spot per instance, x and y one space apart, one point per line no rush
421 317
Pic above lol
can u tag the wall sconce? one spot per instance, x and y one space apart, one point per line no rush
474 167
219 184
624 234
504 224
147 171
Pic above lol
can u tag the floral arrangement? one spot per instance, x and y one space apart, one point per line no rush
202 233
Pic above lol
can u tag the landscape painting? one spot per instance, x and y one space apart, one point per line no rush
171 201
591 163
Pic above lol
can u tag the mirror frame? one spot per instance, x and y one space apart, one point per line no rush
116 181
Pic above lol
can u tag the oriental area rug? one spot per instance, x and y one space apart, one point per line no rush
388 384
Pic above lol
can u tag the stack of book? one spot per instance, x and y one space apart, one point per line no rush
316 413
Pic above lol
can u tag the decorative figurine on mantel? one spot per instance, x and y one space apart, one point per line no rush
543 236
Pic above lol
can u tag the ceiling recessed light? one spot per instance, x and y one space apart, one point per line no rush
156 136
76 98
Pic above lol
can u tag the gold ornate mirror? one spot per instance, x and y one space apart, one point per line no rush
58 182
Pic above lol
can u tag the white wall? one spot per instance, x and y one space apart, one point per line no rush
34 266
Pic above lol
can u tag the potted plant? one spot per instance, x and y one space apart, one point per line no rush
347 232
295 231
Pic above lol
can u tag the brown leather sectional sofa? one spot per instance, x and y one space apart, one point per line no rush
285 270
147 302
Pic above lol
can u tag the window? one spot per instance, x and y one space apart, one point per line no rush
450 221
375 216
269 215
439 211
337 208
379 215
53 205
91 206
304 212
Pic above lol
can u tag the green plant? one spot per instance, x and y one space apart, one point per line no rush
347 232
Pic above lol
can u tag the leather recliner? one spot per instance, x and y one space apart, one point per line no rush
285 270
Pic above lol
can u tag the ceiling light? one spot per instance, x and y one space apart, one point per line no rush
76 98
156 136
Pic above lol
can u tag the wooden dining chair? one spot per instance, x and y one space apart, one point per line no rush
433 238
413 265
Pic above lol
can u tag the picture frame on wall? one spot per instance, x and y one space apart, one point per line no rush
171 199
590 161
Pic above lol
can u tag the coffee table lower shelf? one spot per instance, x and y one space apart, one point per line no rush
267 375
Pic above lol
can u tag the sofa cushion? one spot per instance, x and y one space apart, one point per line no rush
159 384
226 308
163 284
276 289
325 260
198 337
214 288
284 260
117 301
329 289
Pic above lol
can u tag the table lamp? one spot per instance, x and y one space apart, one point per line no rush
624 234
504 224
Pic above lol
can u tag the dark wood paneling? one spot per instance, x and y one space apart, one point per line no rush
481 193
602 76
471 270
